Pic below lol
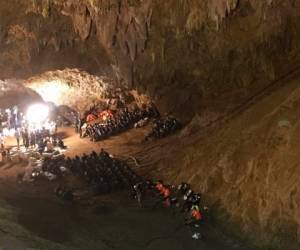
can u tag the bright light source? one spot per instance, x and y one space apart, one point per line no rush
53 91
37 114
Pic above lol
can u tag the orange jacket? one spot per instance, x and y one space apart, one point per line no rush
159 187
166 192
196 215
90 118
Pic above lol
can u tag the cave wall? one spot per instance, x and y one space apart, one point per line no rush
199 53
248 169
35 38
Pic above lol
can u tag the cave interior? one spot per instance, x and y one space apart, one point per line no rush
199 92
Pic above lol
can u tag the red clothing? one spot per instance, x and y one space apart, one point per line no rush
159 187
196 214
91 118
166 192
104 115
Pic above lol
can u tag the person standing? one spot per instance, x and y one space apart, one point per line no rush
26 139
32 139
2 141
18 136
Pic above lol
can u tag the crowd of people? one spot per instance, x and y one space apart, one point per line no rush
181 198
42 137
104 174
163 128
101 172
11 118
122 121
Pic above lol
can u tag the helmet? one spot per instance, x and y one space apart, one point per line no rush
195 207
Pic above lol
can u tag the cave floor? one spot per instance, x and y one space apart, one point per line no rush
32 218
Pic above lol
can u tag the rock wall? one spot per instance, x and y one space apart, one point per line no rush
247 169
35 37
199 53
80 90
12 92
193 51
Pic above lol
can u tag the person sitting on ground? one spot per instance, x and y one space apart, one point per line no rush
50 147
54 141
61 144
64 193
41 146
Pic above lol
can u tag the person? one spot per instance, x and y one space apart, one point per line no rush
3 155
50 147
159 186
183 187
187 203
195 213
61 144
137 193
52 129
193 221
54 142
2 141
32 139
64 193
26 138
83 129
164 193
41 146
18 135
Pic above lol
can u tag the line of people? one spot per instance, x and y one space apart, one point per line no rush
181 198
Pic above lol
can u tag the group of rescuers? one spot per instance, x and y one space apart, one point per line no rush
181 197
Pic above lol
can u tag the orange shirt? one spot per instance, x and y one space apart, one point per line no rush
166 192
159 187
196 215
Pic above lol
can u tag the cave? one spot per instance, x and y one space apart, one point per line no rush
143 124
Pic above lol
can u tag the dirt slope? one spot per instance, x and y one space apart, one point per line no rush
248 168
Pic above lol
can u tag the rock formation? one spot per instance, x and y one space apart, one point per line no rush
195 50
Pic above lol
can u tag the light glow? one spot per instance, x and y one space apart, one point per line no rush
52 91
37 114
